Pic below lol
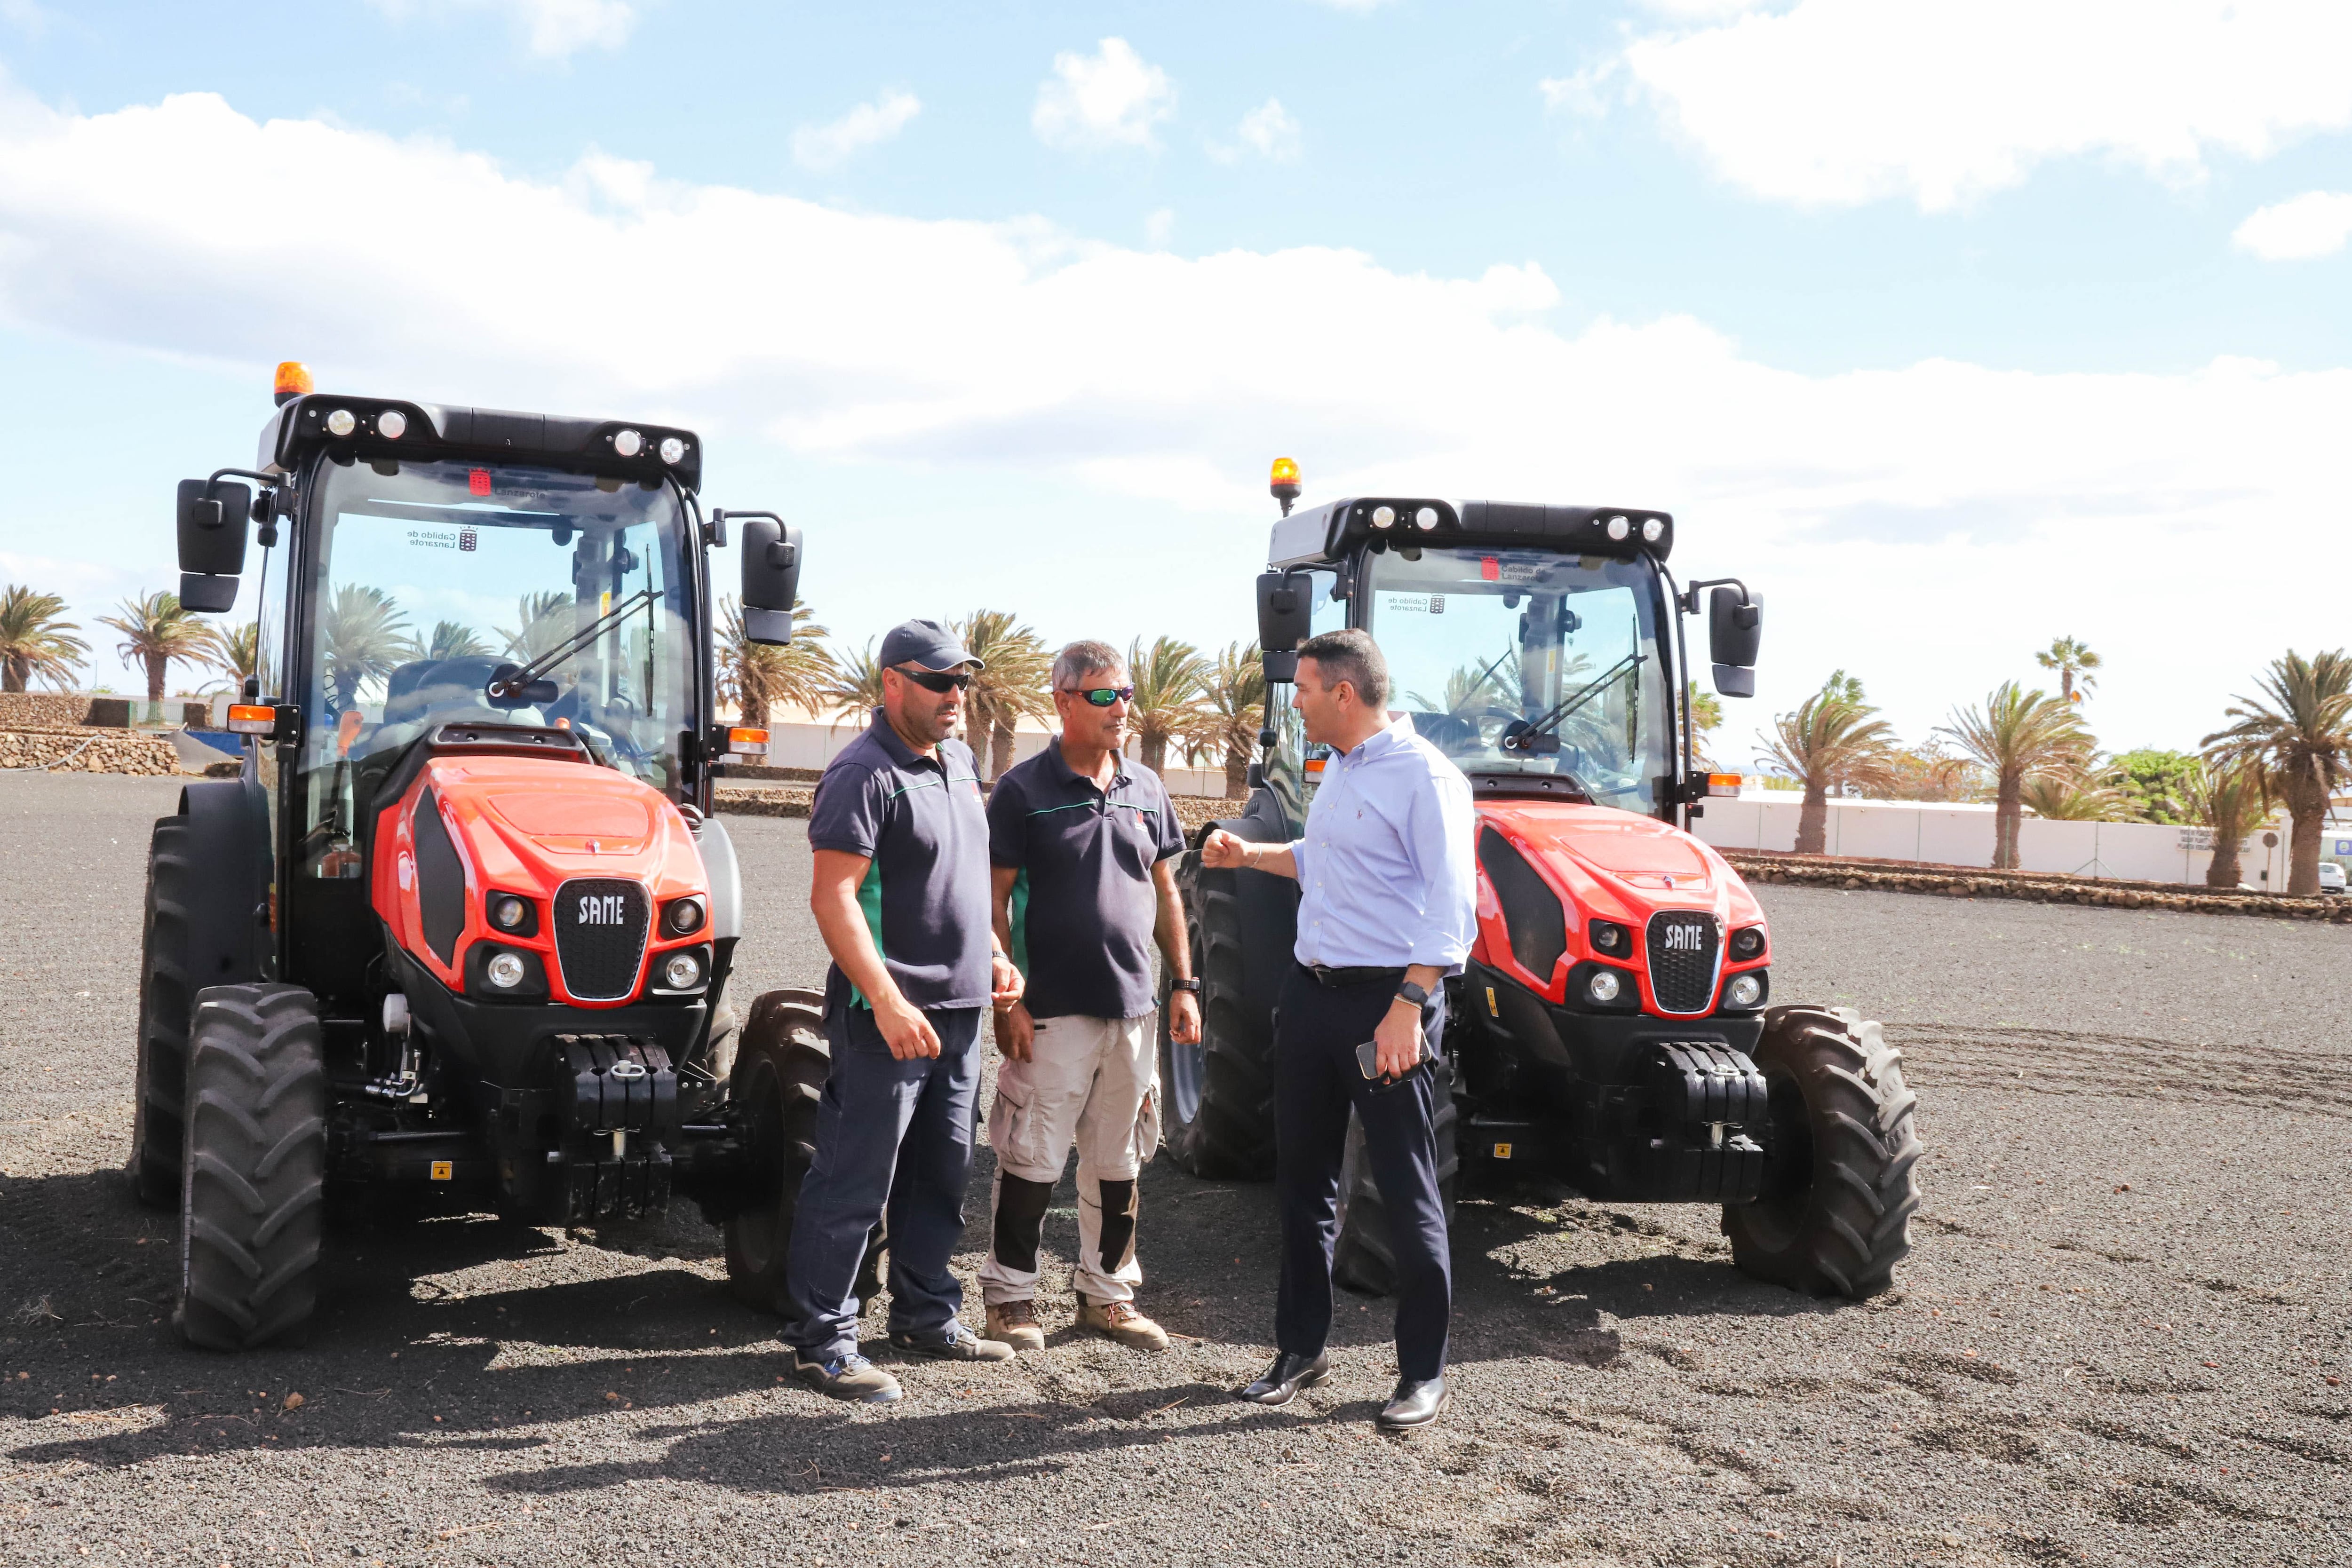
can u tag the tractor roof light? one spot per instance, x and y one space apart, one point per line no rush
673 451
293 380
1383 517
1426 518
341 423
1653 529
1619 527
391 424
628 443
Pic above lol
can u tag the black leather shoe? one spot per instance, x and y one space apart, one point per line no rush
1282 1381
1414 1405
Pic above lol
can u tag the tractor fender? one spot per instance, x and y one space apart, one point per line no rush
718 865
228 881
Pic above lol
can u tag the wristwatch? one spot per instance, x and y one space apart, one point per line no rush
1192 984
1409 992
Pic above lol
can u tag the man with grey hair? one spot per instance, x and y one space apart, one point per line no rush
1083 845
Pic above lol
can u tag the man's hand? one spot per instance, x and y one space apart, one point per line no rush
1184 1018
905 1029
1016 1032
1222 850
1397 1041
1005 982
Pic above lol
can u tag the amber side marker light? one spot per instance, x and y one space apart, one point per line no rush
1724 784
293 380
244 718
742 742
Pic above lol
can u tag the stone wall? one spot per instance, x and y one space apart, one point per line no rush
86 751
2033 886
61 710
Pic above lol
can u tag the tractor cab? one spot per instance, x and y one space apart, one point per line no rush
465 917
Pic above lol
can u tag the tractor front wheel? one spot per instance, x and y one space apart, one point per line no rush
1363 1259
1840 1182
781 1062
165 1003
1218 1104
254 1164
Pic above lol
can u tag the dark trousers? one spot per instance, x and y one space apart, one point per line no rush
889 1135
1317 1081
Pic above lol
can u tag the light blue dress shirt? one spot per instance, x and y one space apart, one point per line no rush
1385 875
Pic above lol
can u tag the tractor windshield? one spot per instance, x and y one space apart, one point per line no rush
487 594
1483 645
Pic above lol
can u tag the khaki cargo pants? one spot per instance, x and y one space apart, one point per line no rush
1094 1081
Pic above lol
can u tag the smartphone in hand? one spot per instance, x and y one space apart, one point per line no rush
1368 1056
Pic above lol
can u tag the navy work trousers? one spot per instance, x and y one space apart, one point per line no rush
1317 1081
889 1135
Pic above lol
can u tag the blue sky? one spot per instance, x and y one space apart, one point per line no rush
1952 327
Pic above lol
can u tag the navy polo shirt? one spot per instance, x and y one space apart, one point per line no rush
922 822
1083 906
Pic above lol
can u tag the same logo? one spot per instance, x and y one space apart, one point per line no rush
602 909
1682 938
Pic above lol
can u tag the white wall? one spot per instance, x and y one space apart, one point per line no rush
1962 835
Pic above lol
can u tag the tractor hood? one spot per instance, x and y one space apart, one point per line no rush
599 857
1614 847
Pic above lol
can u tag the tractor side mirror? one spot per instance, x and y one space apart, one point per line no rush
1735 631
771 576
212 542
1285 617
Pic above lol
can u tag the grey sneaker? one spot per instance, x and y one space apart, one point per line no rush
952 1342
846 1376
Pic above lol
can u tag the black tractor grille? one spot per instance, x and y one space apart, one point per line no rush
1683 948
600 935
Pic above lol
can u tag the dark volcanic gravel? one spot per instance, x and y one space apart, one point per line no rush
2118 1342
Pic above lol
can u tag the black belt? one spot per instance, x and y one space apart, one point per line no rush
1359 976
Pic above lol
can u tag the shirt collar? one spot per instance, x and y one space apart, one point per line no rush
895 746
1380 743
1065 775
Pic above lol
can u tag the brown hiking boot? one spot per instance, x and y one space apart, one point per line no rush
1121 1321
1015 1323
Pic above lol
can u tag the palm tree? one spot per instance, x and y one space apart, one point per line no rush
1168 678
756 675
2230 799
2073 661
454 640
1232 710
34 641
1012 685
363 634
236 652
545 621
2017 735
2074 797
854 689
2301 738
1830 742
158 631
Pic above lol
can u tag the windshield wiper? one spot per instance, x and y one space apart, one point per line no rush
513 683
1516 738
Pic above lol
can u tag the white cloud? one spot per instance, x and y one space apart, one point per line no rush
26 17
1268 130
549 29
1945 516
2314 223
825 147
1587 93
1836 102
1111 98
1160 227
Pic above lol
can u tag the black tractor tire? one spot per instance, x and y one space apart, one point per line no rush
166 1003
781 1062
253 1205
1840 1181
1218 1095
1363 1258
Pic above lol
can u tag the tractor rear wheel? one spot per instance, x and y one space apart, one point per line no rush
1219 1093
1840 1181
253 1203
1364 1256
165 1004
781 1062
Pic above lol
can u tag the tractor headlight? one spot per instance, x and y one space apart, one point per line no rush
1744 991
1747 943
1604 985
682 971
504 971
341 423
1611 938
673 451
391 424
507 912
684 915
628 443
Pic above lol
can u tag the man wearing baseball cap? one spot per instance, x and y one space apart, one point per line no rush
901 898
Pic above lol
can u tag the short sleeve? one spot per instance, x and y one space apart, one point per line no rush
850 810
1171 831
1008 822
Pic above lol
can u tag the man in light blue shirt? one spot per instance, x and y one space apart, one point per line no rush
1387 910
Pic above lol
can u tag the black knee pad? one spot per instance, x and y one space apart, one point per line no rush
1020 1216
1118 1206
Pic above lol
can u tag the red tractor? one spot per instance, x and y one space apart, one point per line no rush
462 928
1614 1026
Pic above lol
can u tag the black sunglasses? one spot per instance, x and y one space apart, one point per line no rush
938 680
1103 696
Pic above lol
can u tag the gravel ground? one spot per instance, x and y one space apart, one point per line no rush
2118 1339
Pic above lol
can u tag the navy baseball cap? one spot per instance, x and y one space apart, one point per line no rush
927 643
